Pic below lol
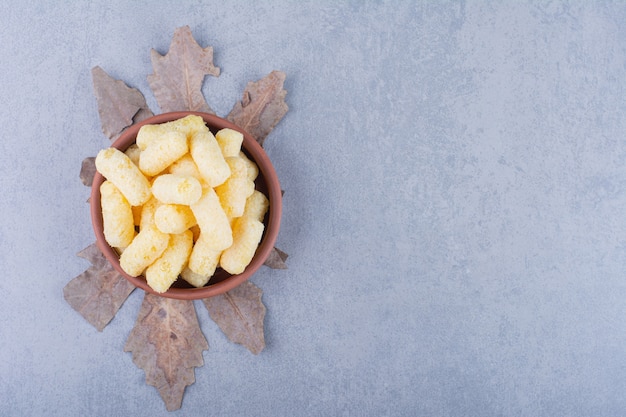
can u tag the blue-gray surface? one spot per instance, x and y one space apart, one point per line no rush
455 177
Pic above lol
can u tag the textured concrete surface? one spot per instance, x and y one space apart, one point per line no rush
455 180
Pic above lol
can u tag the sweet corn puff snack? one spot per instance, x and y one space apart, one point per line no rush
212 221
236 189
133 153
176 189
117 216
253 170
145 248
161 274
174 218
180 203
208 157
118 168
147 213
247 233
185 166
204 259
162 151
256 206
197 280
229 141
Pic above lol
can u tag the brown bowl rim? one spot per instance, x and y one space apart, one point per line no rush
272 225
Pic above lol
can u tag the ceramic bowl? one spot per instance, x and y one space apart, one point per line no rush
266 182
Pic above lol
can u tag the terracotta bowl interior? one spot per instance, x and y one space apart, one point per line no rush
267 182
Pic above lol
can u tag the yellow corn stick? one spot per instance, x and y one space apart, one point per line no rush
203 259
174 218
233 194
145 248
212 220
247 233
117 216
197 280
133 152
208 157
185 166
174 189
187 125
148 133
256 206
230 141
117 167
161 274
253 169
162 151
236 189
147 213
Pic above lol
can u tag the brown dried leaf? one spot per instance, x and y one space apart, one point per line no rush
99 292
117 103
276 259
142 114
167 344
262 106
178 75
88 170
240 313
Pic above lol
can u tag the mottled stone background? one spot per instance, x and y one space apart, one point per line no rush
455 177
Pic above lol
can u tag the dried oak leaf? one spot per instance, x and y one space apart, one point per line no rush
167 344
240 314
178 75
276 259
262 106
118 104
99 292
